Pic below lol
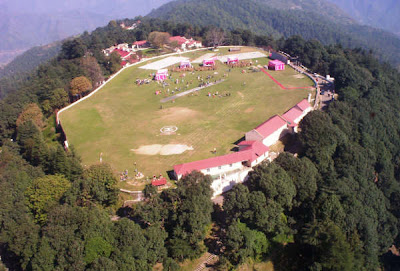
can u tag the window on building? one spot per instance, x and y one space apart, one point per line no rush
230 165
208 170
219 167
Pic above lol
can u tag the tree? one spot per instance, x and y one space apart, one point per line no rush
73 49
31 112
330 247
59 99
79 86
92 69
44 193
158 39
274 182
33 147
242 243
97 186
215 37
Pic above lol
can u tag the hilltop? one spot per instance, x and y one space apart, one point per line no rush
310 20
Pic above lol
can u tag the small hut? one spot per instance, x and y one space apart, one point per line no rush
159 182
233 60
185 64
209 62
276 65
161 75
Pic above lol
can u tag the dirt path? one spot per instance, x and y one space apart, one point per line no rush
181 94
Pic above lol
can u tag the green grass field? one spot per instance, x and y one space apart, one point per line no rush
123 116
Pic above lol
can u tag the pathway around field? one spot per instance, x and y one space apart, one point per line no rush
205 56
242 56
190 91
163 63
282 86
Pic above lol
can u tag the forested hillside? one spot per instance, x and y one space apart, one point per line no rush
334 207
30 59
258 16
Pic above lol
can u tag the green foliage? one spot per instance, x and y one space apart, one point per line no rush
44 193
330 247
243 243
274 182
96 187
95 248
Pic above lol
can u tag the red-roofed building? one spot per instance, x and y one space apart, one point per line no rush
159 182
295 114
184 43
122 53
276 65
249 155
141 44
269 132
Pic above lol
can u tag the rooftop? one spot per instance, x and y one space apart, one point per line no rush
251 152
270 126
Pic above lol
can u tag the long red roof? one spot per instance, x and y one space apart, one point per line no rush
252 150
270 126
292 114
303 105
296 111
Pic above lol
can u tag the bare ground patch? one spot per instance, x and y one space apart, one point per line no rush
240 94
177 114
169 149
249 110
298 76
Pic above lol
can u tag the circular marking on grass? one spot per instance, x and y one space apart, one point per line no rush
168 130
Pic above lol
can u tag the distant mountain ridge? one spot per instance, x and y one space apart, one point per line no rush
264 17
28 23
384 14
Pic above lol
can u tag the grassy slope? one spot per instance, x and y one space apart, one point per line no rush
123 116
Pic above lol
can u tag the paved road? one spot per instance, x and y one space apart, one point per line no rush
325 89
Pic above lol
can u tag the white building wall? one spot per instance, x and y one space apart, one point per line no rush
275 136
259 159
226 183
222 169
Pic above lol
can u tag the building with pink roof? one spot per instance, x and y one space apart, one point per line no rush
276 65
161 75
184 43
250 154
140 44
185 64
295 114
232 60
269 132
209 62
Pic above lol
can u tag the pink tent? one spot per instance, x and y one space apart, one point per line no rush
209 62
233 60
185 64
276 65
161 75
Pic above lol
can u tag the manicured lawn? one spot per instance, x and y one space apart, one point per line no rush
123 116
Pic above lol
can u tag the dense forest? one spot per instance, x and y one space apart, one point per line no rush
334 207
266 17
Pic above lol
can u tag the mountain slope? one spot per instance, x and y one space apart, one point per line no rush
28 23
261 17
383 13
